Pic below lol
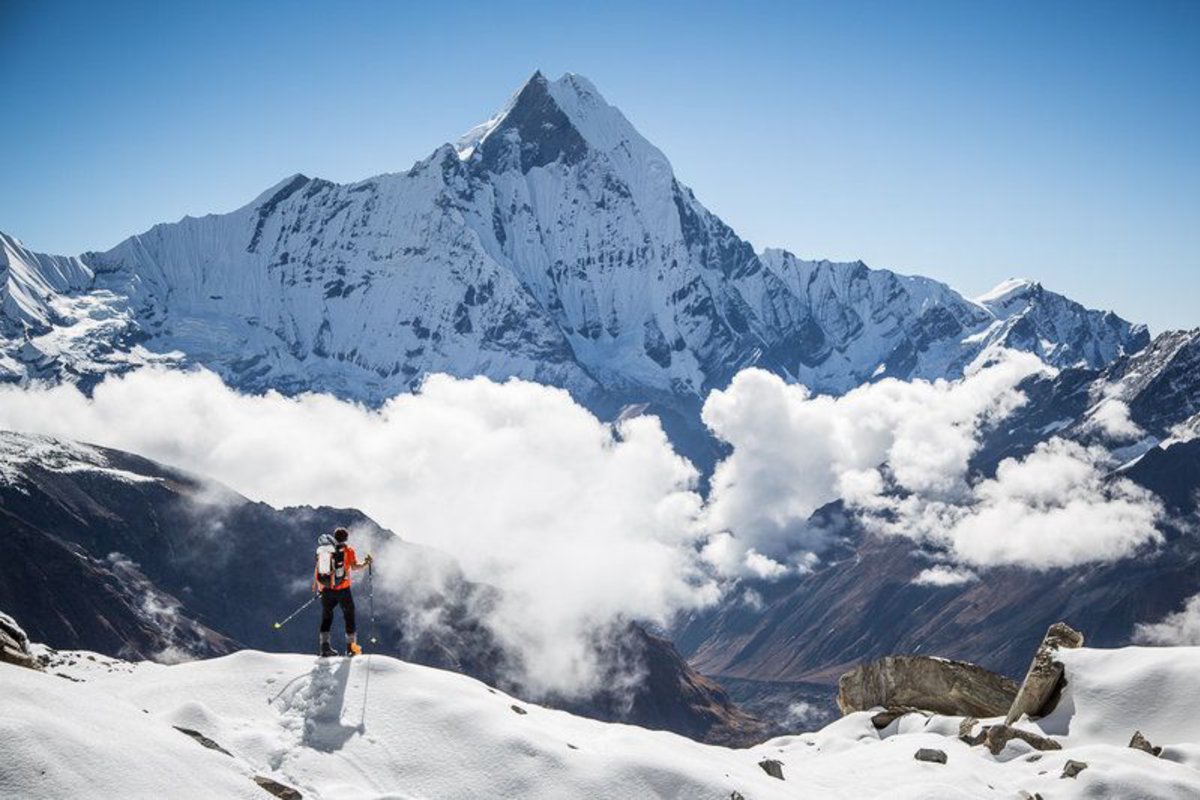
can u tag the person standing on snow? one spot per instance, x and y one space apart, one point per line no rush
335 561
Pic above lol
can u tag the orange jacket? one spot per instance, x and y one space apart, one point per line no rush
350 562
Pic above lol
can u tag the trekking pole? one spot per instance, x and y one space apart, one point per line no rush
371 597
288 619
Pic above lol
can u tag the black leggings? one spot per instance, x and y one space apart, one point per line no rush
330 598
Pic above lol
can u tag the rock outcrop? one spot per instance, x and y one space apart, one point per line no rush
939 685
1042 686
14 644
203 740
925 684
1140 742
997 736
278 789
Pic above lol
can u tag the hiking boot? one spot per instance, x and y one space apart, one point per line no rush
326 648
353 650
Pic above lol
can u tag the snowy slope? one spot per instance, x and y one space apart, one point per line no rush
552 243
1135 403
56 323
384 728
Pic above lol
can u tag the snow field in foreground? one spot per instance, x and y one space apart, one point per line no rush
380 728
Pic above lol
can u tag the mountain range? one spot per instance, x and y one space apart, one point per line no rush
552 243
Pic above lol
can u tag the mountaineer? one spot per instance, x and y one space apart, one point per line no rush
336 560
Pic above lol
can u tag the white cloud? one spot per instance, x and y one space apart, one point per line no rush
578 524
1055 508
1182 628
943 575
803 715
753 600
794 452
1110 417
898 454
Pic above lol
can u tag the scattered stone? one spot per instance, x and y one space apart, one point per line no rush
937 685
1024 795
278 789
930 755
890 715
202 739
772 767
964 732
1043 684
736 795
1073 768
1139 742
571 746
518 709
997 736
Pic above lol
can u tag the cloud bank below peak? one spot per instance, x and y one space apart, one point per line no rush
583 524
898 454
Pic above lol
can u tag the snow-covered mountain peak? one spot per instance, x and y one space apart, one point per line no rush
547 121
288 185
554 243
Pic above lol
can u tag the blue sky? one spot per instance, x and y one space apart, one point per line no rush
968 141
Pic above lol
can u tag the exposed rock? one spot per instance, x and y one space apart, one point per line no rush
965 734
736 795
931 755
204 740
1073 768
518 709
278 789
1140 742
931 684
890 715
772 767
14 644
1024 795
997 736
1042 686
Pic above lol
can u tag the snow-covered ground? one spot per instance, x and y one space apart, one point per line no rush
378 727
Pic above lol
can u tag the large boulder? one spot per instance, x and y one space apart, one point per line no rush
14 644
937 685
1042 686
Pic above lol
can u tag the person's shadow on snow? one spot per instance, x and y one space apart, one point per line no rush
325 701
